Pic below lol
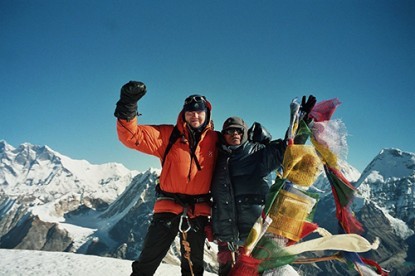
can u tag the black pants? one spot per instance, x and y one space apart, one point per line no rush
161 233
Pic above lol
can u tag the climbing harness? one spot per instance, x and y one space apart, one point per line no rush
182 199
186 201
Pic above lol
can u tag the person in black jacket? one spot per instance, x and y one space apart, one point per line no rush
239 184
241 181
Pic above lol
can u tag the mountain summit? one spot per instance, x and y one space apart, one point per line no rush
40 186
389 181
51 202
44 176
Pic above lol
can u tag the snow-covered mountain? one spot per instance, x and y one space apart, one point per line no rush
384 204
40 186
51 202
389 181
46 177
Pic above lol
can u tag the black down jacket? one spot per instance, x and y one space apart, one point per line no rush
239 187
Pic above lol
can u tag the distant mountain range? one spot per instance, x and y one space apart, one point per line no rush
384 204
51 202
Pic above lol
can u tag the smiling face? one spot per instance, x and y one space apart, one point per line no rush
195 118
233 136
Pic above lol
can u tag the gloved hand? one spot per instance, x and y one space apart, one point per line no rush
258 133
131 92
307 106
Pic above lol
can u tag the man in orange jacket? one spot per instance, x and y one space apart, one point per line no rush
183 202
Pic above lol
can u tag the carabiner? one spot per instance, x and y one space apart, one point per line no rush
184 217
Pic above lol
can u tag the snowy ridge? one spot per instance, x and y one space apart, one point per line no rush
391 164
400 227
50 181
389 181
48 185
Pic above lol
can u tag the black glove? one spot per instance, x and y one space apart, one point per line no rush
307 106
259 134
131 92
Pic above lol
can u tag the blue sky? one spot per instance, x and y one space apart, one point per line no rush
62 64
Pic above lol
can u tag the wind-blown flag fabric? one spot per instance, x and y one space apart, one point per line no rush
287 217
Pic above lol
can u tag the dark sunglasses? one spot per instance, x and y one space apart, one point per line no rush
231 131
196 99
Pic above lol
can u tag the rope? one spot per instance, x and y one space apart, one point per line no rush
186 246
336 257
185 243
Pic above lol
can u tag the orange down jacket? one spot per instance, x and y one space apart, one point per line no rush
179 173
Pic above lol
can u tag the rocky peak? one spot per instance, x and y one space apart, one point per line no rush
389 181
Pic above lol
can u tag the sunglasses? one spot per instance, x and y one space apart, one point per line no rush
231 131
196 99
